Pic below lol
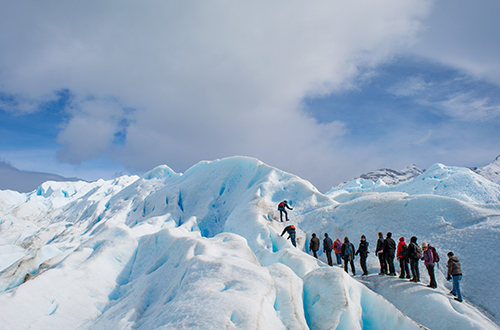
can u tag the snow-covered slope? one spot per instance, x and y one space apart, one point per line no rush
490 171
439 180
203 250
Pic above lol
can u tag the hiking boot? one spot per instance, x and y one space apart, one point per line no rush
459 300
381 273
451 292
408 277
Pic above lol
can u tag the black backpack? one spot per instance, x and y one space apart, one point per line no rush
404 251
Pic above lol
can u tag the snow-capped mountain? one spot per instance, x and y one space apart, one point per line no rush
490 171
393 177
205 250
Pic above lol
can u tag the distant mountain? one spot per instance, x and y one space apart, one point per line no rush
490 171
393 177
12 178
390 176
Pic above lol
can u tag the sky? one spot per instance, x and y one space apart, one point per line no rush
325 91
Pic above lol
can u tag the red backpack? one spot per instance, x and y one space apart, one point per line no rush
435 255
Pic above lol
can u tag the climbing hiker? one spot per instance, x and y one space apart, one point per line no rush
327 248
291 233
389 249
455 272
282 208
402 255
314 245
414 254
429 264
348 255
337 248
363 253
379 252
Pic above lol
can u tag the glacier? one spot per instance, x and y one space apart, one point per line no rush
202 250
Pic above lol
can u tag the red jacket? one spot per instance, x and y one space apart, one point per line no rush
400 247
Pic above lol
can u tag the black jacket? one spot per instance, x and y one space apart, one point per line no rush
289 230
389 247
380 245
314 244
362 249
327 244
411 251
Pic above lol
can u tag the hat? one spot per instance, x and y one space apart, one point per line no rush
363 236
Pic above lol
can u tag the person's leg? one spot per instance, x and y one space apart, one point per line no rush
352 267
433 278
329 258
362 261
417 271
315 254
402 267
383 266
390 263
339 259
281 215
407 270
430 271
345 265
292 237
456 286
413 265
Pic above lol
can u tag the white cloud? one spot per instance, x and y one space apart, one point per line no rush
411 86
468 108
463 34
206 79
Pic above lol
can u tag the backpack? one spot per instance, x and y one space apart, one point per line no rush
404 251
348 250
281 205
337 245
417 252
435 255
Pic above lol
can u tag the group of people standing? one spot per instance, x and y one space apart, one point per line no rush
343 251
408 256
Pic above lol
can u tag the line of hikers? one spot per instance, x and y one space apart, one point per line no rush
386 250
408 256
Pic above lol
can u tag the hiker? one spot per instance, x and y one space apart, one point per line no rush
282 208
402 255
379 251
429 263
337 248
314 245
389 249
414 254
455 272
348 255
291 233
363 253
327 248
